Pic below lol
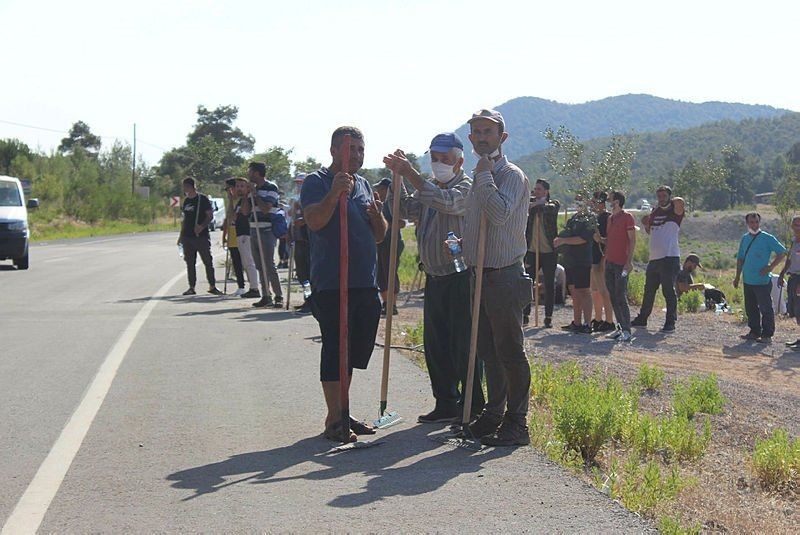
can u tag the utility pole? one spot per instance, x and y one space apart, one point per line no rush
133 166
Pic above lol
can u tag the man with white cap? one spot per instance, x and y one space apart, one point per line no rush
439 206
500 194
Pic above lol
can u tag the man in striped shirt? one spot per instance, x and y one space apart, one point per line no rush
439 207
499 193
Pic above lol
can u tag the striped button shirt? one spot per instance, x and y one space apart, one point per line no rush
437 211
502 195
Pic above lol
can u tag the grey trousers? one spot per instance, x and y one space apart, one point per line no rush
506 292
618 289
268 240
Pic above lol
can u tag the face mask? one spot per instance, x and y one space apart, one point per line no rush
491 156
753 232
442 172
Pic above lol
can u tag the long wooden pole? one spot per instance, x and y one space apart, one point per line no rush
536 277
344 270
391 299
473 336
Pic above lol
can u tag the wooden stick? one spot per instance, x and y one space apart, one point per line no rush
289 278
391 300
265 280
344 270
476 310
536 277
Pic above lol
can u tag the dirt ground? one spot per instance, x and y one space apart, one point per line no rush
760 382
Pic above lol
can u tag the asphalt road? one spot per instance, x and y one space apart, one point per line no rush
120 412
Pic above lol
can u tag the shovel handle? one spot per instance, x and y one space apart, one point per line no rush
344 268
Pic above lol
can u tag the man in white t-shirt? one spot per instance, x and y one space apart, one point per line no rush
663 225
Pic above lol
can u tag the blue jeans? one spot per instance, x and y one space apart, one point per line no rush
758 305
661 272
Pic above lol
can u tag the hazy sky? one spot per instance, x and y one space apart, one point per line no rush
400 70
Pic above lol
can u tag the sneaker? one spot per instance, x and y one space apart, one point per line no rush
596 325
605 327
263 302
252 293
437 416
584 329
395 312
302 311
796 343
626 337
190 291
548 323
668 328
616 334
239 292
486 424
571 327
750 336
638 322
383 310
215 291
508 434
764 340
278 302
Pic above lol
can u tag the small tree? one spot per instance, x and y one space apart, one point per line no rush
80 137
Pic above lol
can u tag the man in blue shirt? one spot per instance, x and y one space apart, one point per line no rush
754 267
319 199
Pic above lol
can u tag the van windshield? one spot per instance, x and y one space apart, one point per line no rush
9 194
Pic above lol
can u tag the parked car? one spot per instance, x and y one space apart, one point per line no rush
644 205
14 232
218 219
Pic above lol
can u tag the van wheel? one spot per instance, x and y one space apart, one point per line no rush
21 263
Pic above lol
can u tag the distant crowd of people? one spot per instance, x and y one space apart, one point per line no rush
590 258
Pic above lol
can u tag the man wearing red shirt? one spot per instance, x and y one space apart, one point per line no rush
620 244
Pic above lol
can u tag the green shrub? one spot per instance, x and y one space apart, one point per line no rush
668 525
636 288
413 334
641 252
679 438
587 413
649 378
643 489
776 461
700 394
690 302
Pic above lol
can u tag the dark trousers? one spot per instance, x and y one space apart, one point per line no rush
618 290
448 319
758 306
268 241
547 263
192 246
283 250
236 260
302 261
506 292
663 272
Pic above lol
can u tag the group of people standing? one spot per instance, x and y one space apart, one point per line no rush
596 248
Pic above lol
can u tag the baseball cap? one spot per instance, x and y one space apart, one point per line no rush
445 142
694 259
382 183
492 115
230 182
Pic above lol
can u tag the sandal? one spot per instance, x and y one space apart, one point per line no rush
334 434
361 428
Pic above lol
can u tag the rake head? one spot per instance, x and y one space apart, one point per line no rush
350 446
388 420
461 438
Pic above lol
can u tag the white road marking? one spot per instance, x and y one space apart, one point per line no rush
32 506
59 259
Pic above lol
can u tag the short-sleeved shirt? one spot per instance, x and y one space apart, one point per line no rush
581 225
763 245
325 242
685 277
240 220
794 258
665 226
191 217
267 192
602 228
618 246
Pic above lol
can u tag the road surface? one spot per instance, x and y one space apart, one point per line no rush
125 407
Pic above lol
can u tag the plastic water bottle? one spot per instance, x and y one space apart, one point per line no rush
180 250
306 289
455 250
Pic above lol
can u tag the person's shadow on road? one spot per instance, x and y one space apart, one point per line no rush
383 464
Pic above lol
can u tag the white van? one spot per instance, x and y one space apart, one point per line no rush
14 221
218 219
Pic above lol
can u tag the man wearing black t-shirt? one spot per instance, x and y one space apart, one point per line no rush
194 236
